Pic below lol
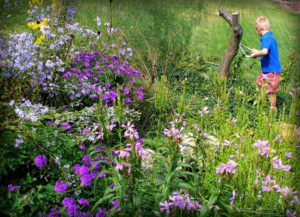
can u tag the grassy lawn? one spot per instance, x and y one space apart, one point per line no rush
157 29
160 30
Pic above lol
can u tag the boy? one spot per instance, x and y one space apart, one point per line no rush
270 64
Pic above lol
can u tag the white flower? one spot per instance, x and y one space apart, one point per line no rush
98 21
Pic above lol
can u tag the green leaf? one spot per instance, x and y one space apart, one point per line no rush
185 186
101 200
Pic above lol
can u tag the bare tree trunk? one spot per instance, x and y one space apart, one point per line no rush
234 42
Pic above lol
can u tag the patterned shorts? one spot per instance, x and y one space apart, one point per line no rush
271 80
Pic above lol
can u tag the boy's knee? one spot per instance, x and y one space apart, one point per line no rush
259 83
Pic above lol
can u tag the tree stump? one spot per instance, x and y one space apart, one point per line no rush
233 46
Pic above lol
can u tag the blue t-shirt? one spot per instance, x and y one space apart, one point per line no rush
270 62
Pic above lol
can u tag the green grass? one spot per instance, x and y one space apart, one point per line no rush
161 30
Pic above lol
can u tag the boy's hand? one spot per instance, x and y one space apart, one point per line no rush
254 53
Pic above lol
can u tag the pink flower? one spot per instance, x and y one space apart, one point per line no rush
288 154
266 189
289 213
268 180
263 148
165 206
232 198
229 167
110 127
119 167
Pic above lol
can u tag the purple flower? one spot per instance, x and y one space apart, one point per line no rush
12 188
229 167
289 213
40 161
82 147
288 154
84 202
112 185
115 203
277 164
232 198
70 203
65 125
266 189
60 187
227 143
263 148
139 93
119 167
86 179
268 180
101 212
87 160
54 213
84 170
127 100
165 206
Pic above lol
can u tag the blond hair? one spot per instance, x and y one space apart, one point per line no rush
262 23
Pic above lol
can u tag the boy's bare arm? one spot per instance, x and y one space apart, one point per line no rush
258 53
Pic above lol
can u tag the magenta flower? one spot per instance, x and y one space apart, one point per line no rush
119 167
289 213
60 187
165 206
266 189
227 143
86 179
13 188
176 133
40 161
268 180
115 203
263 148
288 154
84 202
82 147
232 198
277 164
229 167
130 131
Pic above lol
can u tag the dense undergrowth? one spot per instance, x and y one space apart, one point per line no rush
85 133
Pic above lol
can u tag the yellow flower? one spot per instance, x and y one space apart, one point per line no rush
29 25
45 20
28 11
4 62
39 40
54 4
35 26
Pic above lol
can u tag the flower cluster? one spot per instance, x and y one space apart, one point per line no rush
72 208
60 187
40 161
174 133
229 167
125 153
13 187
97 74
204 111
277 164
264 148
28 111
19 54
181 201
